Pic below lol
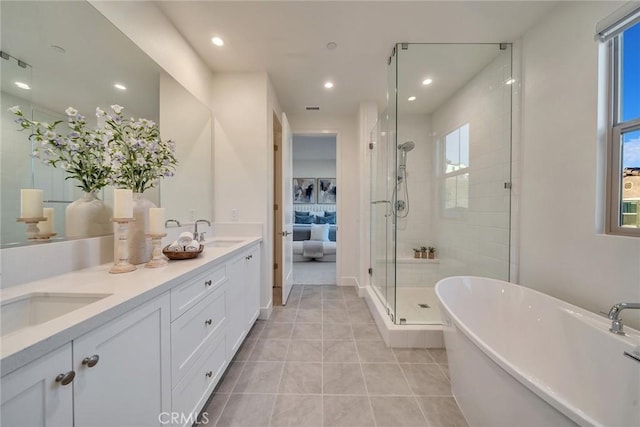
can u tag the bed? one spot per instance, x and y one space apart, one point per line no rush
302 234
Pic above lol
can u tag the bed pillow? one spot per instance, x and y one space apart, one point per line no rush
301 213
325 220
320 232
304 219
329 213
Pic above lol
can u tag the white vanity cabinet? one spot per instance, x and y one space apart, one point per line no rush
31 396
243 300
123 370
115 375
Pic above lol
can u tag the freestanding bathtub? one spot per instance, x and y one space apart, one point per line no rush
518 357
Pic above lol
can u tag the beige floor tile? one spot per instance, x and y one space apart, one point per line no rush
366 332
343 378
439 355
397 411
230 378
307 331
383 378
310 303
283 314
277 331
355 304
305 351
360 316
413 355
245 350
339 352
297 411
310 315
347 411
247 410
442 412
427 379
256 330
331 292
334 304
301 378
269 351
335 316
259 377
337 331
214 409
374 352
445 371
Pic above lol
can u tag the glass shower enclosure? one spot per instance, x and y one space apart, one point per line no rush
440 173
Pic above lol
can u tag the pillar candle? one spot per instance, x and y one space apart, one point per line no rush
46 226
156 221
30 203
122 203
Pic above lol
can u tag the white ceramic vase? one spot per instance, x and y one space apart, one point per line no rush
88 217
140 247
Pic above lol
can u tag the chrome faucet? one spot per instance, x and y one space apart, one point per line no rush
200 237
166 223
614 313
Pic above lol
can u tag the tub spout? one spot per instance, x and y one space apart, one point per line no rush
614 313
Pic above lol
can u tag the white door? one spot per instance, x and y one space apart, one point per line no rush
287 211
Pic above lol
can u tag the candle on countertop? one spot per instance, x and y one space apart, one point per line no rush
156 221
122 203
30 203
46 226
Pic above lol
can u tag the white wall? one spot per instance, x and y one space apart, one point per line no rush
477 242
417 228
314 168
562 253
349 186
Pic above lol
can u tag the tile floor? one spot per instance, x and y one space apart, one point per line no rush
320 361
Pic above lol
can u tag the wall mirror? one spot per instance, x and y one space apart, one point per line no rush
68 54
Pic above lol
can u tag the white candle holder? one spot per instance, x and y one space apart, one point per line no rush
45 236
121 262
32 226
157 260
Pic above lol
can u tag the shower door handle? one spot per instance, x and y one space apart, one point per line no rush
375 202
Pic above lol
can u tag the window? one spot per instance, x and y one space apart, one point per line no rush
456 170
624 137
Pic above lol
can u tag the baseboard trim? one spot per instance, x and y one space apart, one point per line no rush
265 312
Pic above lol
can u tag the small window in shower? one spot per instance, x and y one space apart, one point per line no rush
455 167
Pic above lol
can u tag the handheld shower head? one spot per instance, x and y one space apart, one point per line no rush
404 148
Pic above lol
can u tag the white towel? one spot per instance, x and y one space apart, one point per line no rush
193 246
185 238
175 247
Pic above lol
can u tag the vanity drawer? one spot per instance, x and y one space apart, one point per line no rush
188 294
192 332
189 396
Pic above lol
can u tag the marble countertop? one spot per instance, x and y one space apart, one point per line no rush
125 292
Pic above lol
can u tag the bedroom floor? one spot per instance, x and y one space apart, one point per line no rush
314 273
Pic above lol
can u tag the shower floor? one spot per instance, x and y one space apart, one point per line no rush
409 301
407 306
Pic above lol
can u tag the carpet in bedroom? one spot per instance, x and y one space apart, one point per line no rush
314 273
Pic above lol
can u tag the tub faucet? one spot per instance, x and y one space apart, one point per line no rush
200 237
614 313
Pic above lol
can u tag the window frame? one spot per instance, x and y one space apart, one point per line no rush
616 128
457 211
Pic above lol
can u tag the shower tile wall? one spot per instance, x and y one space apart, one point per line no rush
478 244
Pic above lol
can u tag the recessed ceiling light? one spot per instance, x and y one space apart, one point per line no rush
332 45
510 81
23 85
427 82
411 98
120 86
217 41
328 85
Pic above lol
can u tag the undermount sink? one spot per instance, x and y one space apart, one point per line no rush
40 307
222 243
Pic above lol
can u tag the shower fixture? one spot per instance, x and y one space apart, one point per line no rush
400 204
404 148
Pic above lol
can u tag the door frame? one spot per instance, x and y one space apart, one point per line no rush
277 211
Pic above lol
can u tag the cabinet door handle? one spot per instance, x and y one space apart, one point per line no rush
65 379
91 361
209 374
207 283
208 322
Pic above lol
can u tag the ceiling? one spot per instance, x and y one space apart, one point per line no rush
288 39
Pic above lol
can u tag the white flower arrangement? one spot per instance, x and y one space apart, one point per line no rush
127 153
